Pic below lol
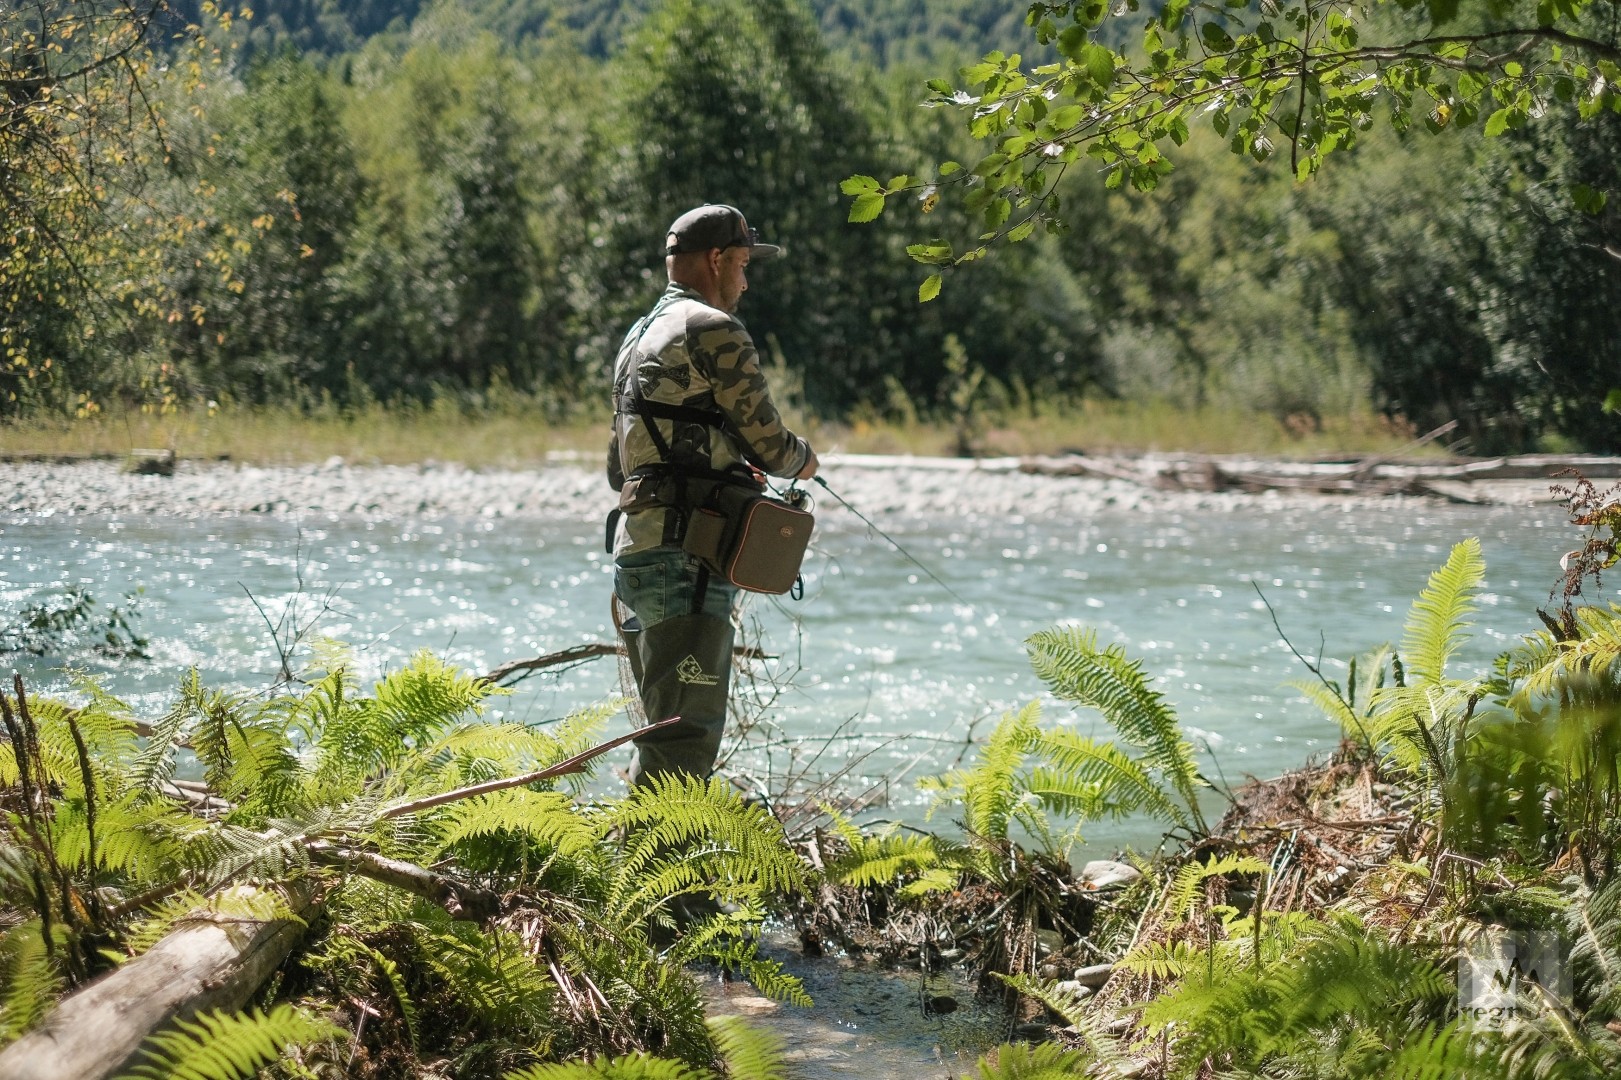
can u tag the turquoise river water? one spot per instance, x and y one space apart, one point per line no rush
879 671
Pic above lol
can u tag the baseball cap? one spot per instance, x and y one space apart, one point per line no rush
715 225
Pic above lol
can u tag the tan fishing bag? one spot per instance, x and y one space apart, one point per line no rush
750 539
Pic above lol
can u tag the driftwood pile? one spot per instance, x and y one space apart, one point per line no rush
1450 479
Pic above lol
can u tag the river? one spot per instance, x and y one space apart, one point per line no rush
880 670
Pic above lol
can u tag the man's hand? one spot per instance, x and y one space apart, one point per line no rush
810 467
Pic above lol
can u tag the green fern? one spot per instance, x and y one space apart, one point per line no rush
1069 660
221 1046
1325 999
717 839
29 977
1090 779
1590 663
1018 1061
549 817
1106 1056
990 793
750 1053
880 859
1434 630
1180 896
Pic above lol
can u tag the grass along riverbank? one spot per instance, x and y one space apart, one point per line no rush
515 432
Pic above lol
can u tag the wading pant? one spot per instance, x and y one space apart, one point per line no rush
681 659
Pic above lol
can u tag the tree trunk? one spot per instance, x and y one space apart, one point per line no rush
97 1032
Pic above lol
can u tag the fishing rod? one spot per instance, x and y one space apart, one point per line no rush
893 542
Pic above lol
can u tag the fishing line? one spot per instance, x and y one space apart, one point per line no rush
893 542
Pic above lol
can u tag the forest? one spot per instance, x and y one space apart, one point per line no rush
323 204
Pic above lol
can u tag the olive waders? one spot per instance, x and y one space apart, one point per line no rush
683 667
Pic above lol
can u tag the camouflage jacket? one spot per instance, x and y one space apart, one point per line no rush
696 356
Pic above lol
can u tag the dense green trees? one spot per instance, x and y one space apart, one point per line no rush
450 198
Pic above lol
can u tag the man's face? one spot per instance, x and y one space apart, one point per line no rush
733 277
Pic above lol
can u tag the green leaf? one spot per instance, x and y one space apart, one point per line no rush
1215 37
1067 117
1589 200
1442 11
989 164
1072 43
859 185
1499 122
948 167
1099 63
934 252
1471 83
1022 230
866 207
1612 402
898 182
929 289
940 86
1171 17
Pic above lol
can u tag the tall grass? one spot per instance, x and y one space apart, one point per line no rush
516 431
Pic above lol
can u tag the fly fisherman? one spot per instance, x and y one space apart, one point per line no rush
691 409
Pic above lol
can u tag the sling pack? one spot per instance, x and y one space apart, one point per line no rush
724 519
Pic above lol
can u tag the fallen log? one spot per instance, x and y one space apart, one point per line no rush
215 962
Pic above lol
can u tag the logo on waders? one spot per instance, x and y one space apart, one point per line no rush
692 673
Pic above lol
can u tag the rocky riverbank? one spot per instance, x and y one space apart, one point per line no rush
574 489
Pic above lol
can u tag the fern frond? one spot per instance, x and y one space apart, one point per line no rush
1593 657
728 951
222 1046
990 792
390 972
247 752
631 1067
550 817
29 978
749 1052
880 859
1090 779
1188 879
1351 725
1068 659
1164 960
709 817
426 696
1434 629
1105 1056
1020 1061
490 973
156 761
191 906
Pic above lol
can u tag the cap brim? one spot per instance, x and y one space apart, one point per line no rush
763 251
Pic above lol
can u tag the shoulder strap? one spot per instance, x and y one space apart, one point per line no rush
649 410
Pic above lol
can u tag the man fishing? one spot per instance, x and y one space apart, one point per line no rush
691 407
